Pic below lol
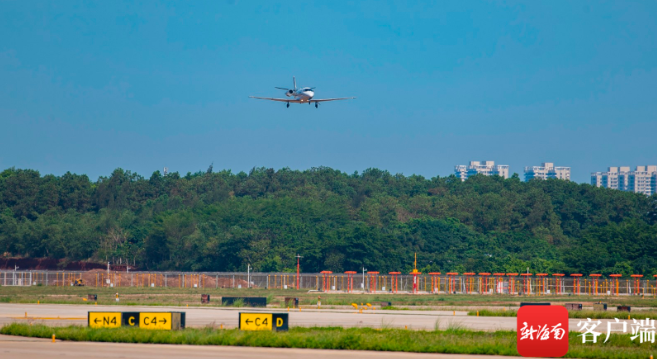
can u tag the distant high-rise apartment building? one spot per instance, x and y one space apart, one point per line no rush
486 168
614 178
642 180
547 170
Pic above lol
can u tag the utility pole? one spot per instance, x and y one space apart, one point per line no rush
364 279
298 257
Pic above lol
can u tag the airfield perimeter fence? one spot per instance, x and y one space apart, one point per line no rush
452 283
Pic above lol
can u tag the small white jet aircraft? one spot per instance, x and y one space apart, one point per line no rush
302 95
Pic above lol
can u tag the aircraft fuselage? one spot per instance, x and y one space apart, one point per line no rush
304 94
301 95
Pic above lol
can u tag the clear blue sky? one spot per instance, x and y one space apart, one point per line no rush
88 87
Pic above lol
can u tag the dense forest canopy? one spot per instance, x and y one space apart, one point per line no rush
220 221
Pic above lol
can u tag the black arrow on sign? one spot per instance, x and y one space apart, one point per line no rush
249 321
96 320
164 321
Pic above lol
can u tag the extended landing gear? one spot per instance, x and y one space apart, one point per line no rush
316 104
288 105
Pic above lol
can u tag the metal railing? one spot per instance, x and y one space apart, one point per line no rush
356 283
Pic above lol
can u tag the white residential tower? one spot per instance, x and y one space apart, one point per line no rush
547 170
642 180
486 168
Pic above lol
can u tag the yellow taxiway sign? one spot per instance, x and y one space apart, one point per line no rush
104 319
155 320
263 321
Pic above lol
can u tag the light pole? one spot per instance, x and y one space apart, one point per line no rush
298 258
415 273
248 275
109 277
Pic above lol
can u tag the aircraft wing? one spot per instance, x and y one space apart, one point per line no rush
333 99
276 99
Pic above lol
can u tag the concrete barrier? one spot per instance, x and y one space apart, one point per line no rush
573 306
248 301
522 304
600 307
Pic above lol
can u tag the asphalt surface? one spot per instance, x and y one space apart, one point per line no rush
30 348
69 314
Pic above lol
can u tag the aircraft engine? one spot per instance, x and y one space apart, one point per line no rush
289 93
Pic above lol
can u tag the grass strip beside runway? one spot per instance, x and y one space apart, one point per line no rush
192 297
452 340
576 314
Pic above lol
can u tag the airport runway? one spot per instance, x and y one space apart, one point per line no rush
228 317
30 348
212 316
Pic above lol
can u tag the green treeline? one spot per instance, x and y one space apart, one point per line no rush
220 221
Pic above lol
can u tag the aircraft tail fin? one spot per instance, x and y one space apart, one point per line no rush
294 81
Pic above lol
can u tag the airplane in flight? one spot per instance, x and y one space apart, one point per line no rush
301 95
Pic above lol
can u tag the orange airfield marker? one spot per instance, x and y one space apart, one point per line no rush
350 280
527 282
637 284
576 283
616 276
326 280
394 284
468 282
595 277
373 280
559 281
452 282
543 281
435 282
512 281
485 275
499 279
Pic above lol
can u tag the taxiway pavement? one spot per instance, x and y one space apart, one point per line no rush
68 314
31 348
